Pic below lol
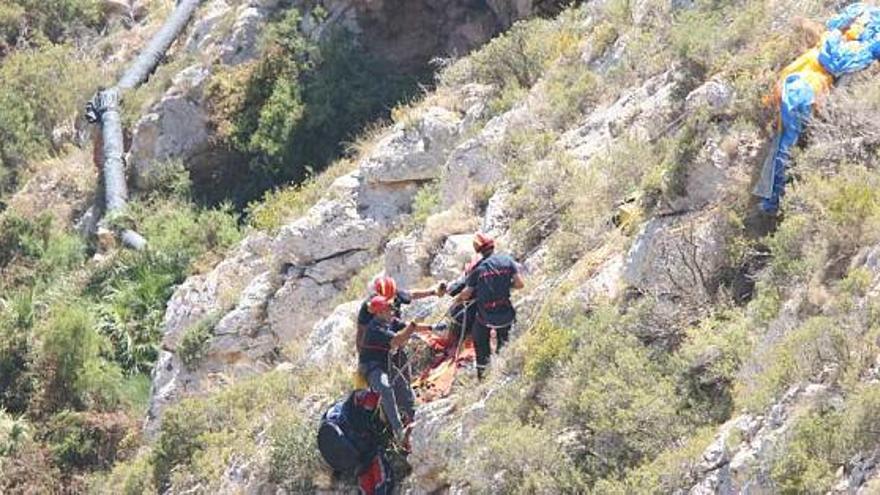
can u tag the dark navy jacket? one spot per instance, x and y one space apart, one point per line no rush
377 342
360 423
491 281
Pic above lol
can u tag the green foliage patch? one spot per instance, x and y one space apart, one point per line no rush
292 110
33 104
46 20
825 440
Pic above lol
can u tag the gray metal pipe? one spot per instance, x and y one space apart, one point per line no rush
149 59
116 189
105 109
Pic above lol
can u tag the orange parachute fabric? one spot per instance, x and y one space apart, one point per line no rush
436 381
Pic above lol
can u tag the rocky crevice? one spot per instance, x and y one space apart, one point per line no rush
405 33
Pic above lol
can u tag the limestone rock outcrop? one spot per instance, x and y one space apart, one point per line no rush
273 290
678 256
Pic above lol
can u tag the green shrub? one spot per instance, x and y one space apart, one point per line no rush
179 228
570 89
84 440
621 392
547 346
707 34
823 441
70 369
789 246
22 238
291 110
806 466
426 203
16 323
13 433
672 471
510 455
589 196
132 478
52 19
131 306
200 437
33 104
195 341
170 179
34 251
712 355
293 456
131 291
179 439
30 470
800 355
280 205
519 56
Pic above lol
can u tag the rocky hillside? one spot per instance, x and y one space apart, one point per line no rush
671 338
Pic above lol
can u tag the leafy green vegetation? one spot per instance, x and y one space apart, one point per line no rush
280 205
79 335
581 401
33 105
36 21
825 440
194 341
199 437
515 60
292 110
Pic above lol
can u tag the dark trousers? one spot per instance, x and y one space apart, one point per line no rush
482 334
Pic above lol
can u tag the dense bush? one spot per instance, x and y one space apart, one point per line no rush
823 441
30 470
36 20
16 322
195 340
292 110
201 437
70 368
528 457
33 104
13 433
294 453
130 293
86 440
133 478
23 239
712 355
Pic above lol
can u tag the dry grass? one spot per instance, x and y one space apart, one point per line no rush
457 220
63 187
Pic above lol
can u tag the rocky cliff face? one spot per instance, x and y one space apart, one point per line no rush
227 33
672 249
273 290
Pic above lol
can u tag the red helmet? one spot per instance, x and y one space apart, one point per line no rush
379 304
385 286
483 243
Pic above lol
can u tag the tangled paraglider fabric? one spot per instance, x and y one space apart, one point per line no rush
850 44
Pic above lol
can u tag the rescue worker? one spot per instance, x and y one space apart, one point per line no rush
385 334
461 315
489 284
385 286
353 439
